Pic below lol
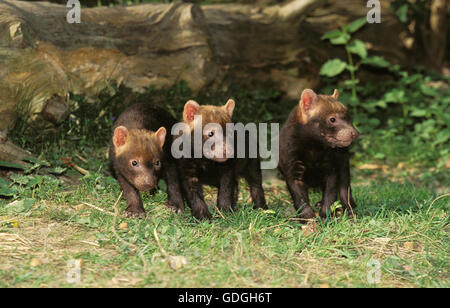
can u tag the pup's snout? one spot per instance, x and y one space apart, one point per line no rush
355 134
145 183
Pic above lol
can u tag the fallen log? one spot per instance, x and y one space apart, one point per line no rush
43 57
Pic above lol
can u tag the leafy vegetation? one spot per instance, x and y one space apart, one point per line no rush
407 115
335 67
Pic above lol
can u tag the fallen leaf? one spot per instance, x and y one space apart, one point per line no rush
176 262
401 165
408 245
79 207
123 226
35 262
309 228
370 167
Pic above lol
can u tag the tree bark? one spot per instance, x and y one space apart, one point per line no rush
43 57
10 152
438 34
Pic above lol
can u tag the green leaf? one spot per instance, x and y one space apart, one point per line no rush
30 159
395 96
358 47
333 68
35 180
428 91
445 100
351 68
356 24
332 34
418 113
336 205
7 192
162 185
402 13
351 82
381 103
442 137
4 183
376 61
57 170
19 179
20 206
8 164
340 40
411 79
379 155
395 68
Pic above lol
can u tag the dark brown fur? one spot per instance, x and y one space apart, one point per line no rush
314 152
141 145
196 172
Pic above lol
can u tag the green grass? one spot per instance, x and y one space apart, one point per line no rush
245 248
399 222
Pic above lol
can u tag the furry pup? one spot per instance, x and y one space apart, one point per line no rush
140 155
314 152
213 166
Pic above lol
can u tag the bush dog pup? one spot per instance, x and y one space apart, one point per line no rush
214 167
140 155
314 144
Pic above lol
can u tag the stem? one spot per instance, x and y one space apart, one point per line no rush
352 72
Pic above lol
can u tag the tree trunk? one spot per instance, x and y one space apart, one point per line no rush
437 35
43 57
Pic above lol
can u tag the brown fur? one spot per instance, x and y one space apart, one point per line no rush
140 136
326 105
314 145
214 114
196 172
142 143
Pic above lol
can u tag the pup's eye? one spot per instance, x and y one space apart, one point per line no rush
210 134
332 120
134 163
157 163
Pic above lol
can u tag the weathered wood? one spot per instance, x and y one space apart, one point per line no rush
10 152
437 35
43 57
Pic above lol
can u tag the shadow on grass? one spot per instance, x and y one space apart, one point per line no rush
379 199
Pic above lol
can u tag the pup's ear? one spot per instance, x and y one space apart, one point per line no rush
335 94
308 100
229 107
120 136
191 108
161 136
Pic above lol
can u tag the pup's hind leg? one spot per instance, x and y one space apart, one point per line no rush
253 176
